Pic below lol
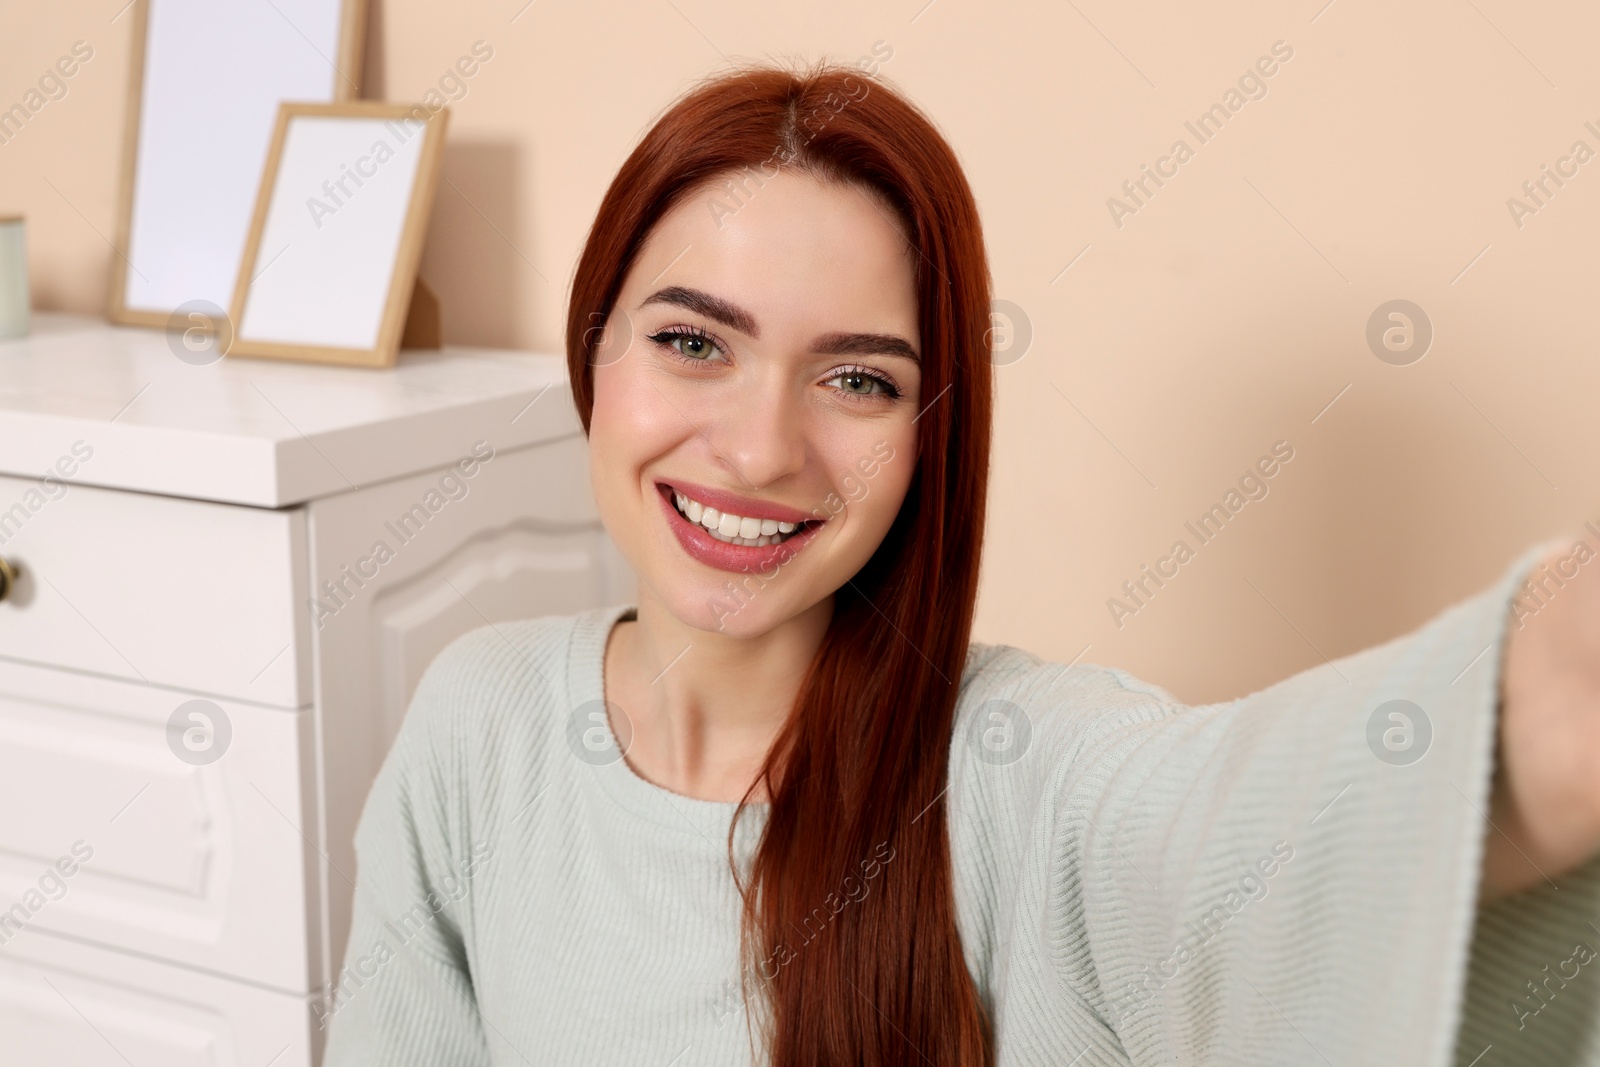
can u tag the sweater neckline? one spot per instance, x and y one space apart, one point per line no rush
670 810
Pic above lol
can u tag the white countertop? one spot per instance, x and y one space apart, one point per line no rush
259 432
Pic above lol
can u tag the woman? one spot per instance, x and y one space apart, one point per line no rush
783 811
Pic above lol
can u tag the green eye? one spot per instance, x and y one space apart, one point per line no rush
693 347
689 345
864 383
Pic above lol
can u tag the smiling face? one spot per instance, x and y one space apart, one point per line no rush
755 392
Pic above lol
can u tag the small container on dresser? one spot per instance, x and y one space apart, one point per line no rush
221 582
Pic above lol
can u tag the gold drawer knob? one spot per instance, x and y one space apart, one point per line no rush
8 577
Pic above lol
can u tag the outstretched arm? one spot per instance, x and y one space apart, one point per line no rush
1270 880
1546 800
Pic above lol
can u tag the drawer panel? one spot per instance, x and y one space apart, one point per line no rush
107 833
185 593
67 1004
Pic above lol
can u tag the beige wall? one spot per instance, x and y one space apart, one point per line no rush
1221 317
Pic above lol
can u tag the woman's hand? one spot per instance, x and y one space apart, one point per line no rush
1546 803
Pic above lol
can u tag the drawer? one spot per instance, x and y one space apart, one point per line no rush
67 1004
209 864
184 593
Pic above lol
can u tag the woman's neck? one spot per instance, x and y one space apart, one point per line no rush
700 710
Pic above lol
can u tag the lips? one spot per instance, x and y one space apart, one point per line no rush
734 533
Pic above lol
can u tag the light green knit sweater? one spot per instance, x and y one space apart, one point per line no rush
1137 882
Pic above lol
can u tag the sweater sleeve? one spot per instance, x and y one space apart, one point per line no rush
1292 877
405 993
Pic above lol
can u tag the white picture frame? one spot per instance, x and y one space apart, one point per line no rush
331 257
205 82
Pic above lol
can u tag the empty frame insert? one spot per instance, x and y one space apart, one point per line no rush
332 252
205 82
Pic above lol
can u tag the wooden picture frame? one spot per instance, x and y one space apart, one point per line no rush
172 250
337 282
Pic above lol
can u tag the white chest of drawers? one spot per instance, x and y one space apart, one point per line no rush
231 578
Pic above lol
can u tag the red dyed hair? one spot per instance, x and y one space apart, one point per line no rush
858 772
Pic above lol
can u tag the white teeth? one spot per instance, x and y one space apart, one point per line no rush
733 529
748 542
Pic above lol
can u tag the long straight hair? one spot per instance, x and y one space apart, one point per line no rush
848 935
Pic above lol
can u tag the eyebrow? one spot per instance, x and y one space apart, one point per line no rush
712 307
865 344
732 315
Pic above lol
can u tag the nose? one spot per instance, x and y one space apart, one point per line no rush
760 431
